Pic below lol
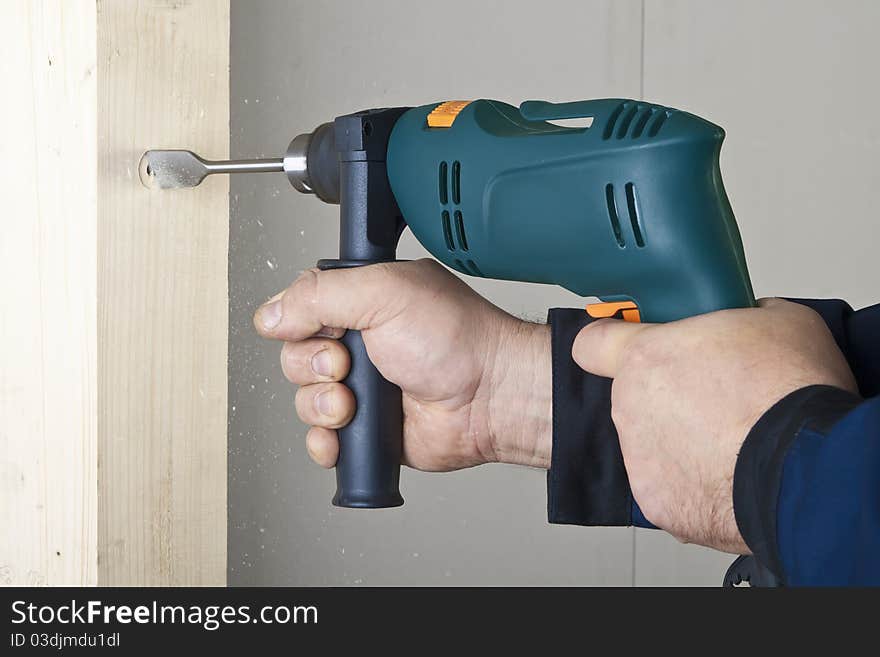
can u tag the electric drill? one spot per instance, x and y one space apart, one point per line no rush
630 208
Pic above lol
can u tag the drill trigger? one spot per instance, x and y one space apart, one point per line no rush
627 310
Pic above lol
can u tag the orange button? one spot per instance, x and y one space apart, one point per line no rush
628 310
443 116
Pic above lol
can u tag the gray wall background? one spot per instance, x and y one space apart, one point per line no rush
791 81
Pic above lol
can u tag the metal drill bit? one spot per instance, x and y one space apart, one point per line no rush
175 169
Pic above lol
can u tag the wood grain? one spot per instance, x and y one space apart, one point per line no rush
163 71
48 431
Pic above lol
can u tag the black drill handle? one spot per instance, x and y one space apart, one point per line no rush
368 468
370 224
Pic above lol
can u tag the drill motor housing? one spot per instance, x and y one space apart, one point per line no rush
630 208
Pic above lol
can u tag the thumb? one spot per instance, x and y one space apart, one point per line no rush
599 345
352 298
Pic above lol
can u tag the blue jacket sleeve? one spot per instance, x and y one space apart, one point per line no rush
807 480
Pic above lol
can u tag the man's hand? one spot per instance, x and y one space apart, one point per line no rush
686 394
475 380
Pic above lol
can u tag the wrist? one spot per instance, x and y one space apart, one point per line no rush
520 408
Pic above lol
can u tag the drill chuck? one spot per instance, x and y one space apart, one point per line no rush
312 164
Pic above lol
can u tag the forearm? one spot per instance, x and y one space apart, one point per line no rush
519 406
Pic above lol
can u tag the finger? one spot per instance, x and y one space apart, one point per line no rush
329 405
265 317
354 298
314 360
599 345
323 446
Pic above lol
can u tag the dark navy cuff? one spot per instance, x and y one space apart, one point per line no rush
587 482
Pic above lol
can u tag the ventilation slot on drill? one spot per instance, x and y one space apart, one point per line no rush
456 182
657 123
459 231
626 121
447 231
451 232
634 219
612 215
473 267
612 120
636 120
444 185
640 124
468 267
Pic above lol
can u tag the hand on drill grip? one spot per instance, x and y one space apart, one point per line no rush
686 394
475 380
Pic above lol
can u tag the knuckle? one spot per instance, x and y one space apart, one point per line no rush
381 278
428 264
810 317
424 273
802 313
304 288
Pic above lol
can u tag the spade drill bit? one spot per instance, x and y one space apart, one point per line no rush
175 169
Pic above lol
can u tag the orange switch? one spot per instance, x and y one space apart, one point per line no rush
627 309
443 116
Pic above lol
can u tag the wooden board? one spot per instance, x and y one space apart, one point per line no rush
48 431
163 71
